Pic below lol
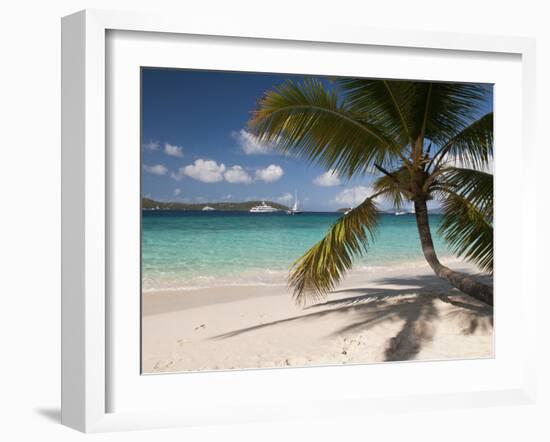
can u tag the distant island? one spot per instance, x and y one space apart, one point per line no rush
149 204
245 206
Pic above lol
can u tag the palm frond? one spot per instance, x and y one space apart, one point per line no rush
394 186
474 185
447 109
467 215
385 103
414 111
472 147
322 267
309 122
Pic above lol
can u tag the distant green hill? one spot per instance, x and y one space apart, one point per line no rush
149 204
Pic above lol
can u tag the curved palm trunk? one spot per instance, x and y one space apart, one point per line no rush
459 280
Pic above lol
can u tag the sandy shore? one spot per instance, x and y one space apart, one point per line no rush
400 314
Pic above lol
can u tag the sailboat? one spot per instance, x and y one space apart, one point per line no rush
295 208
405 212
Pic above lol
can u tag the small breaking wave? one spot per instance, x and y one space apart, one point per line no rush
173 282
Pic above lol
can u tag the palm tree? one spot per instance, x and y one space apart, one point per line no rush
424 140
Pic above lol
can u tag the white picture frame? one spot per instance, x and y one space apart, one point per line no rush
86 315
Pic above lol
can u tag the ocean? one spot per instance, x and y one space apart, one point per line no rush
184 250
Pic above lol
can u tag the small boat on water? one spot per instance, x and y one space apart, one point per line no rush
296 207
207 209
406 212
263 208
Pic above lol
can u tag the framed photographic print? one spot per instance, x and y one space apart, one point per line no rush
252 213
228 241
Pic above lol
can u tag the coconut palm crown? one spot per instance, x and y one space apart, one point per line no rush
423 140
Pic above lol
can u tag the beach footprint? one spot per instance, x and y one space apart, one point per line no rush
349 345
163 365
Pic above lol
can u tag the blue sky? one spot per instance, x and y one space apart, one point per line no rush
195 146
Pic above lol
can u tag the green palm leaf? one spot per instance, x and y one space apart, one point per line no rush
467 215
474 185
448 108
472 147
410 111
385 103
308 122
395 186
322 267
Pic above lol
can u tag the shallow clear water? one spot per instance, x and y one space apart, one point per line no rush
202 249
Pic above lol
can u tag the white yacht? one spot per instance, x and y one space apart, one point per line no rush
263 208
400 212
296 207
207 208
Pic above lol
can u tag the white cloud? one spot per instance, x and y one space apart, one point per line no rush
207 171
270 173
151 145
327 179
250 144
285 198
157 169
177 192
172 150
353 196
178 175
237 175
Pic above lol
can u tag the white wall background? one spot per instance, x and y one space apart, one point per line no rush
30 214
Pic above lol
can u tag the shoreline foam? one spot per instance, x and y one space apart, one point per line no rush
273 277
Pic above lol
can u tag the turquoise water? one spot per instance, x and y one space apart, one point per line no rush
184 250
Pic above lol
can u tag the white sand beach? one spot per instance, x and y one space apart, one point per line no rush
405 313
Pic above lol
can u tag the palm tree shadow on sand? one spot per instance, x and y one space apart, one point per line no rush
372 306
